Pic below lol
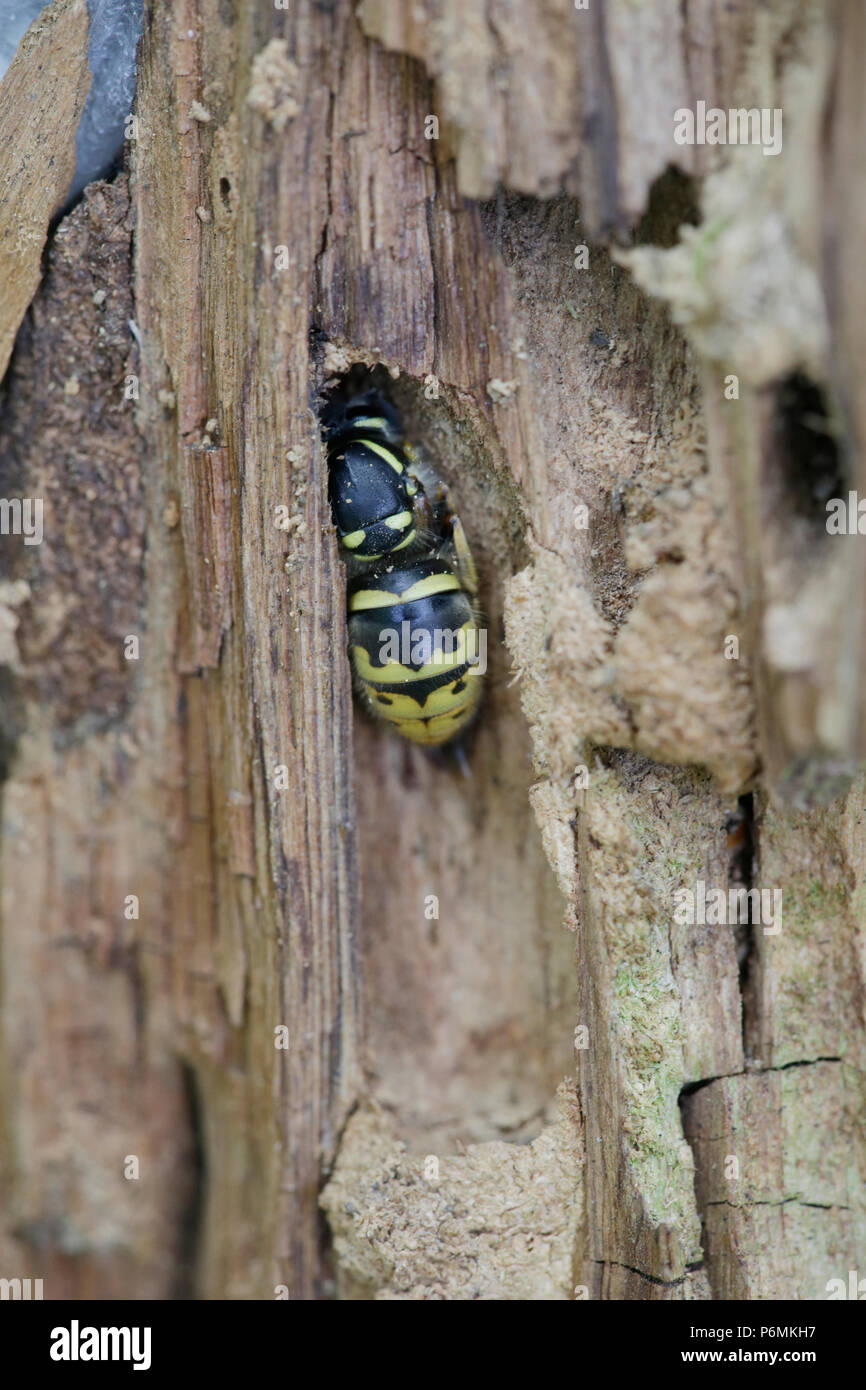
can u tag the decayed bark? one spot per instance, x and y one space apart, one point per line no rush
90 1078
289 216
43 96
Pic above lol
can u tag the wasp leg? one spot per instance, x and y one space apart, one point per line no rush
423 506
466 571
454 538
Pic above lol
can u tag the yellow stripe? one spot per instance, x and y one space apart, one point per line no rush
398 520
383 453
394 672
436 730
353 539
370 422
383 598
440 662
406 541
443 700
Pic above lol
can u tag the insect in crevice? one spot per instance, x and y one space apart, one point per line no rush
415 645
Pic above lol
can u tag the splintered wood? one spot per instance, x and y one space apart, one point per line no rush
307 973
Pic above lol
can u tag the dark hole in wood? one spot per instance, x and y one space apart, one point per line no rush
805 440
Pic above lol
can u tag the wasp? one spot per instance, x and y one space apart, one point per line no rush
415 645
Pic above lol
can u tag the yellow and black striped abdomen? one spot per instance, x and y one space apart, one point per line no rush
414 649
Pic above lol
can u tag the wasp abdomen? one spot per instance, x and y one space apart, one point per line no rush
414 648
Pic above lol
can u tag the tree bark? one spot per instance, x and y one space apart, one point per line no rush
510 1070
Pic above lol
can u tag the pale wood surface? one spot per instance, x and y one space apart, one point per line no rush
304 904
42 97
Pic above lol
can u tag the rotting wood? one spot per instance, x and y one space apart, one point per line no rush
91 1082
42 95
267 903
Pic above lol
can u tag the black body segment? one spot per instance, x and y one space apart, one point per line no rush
371 492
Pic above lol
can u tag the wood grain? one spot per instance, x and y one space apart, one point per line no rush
42 96
290 218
